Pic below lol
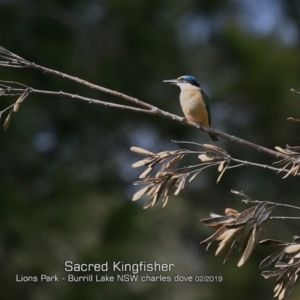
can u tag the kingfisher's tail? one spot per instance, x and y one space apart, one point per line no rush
213 137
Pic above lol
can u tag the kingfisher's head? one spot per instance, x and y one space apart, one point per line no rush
186 81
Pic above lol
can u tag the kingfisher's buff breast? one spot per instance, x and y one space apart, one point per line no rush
194 107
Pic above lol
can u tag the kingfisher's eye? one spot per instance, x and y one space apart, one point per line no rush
181 79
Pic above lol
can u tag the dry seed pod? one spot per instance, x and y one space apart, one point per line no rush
7 120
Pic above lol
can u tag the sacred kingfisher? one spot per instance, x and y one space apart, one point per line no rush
194 102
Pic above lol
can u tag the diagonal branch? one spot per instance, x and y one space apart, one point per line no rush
9 59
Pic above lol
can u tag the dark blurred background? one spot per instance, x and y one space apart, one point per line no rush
65 165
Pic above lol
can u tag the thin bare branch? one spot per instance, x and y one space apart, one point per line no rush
283 218
249 200
16 60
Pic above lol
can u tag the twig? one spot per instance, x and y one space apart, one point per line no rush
249 163
278 204
284 218
15 59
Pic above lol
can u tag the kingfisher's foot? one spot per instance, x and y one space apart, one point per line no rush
183 120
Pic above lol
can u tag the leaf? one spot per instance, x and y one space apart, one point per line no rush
205 158
20 100
174 161
215 236
284 151
221 166
265 214
231 212
142 163
165 201
139 194
260 208
213 215
277 255
271 242
291 171
163 155
209 147
249 221
245 215
161 172
180 185
170 183
236 192
156 194
152 190
234 244
149 203
142 151
297 160
226 238
282 264
146 173
292 248
217 221
194 176
297 256
249 247
7 120
268 274
222 172
292 282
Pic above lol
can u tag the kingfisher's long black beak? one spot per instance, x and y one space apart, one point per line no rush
171 81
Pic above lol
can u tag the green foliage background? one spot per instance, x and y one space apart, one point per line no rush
65 166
